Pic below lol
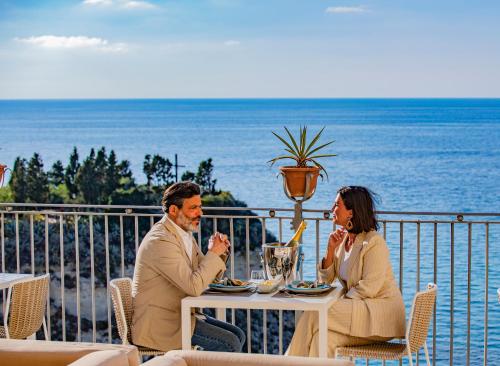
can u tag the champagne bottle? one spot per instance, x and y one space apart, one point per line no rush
294 241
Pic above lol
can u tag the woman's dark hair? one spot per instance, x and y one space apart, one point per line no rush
177 193
362 203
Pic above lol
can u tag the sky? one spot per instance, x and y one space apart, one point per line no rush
249 49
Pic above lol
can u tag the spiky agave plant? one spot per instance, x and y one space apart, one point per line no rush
301 151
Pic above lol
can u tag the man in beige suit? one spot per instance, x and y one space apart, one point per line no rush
170 266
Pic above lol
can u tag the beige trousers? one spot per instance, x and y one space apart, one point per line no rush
305 340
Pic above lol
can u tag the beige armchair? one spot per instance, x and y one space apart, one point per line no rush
15 352
416 333
44 353
25 310
197 358
121 295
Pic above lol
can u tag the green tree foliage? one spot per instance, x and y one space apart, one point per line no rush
188 176
17 182
37 180
140 195
147 168
85 180
56 174
101 176
203 177
59 194
127 180
158 170
70 173
101 167
102 179
28 181
6 194
112 174
163 175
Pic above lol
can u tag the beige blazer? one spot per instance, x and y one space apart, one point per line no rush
377 305
163 276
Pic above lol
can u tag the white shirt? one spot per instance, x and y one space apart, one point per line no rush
186 236
345 264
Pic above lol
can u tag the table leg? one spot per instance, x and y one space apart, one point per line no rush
323 333
4 302
186 327
220 314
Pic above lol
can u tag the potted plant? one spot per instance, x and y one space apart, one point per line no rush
3 170
307 168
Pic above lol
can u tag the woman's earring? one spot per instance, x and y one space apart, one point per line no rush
349 225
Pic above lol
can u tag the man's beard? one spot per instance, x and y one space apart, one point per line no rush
186 223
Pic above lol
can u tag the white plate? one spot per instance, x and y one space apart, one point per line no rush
223 288
302 290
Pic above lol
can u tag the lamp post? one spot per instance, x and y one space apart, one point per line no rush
177 166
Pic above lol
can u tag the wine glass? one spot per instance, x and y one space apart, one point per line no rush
257 276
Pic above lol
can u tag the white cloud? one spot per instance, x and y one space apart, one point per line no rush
74 42
137 5
231 43
97 2
115 47
345 9
125 4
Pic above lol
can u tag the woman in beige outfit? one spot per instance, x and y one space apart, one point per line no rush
371 308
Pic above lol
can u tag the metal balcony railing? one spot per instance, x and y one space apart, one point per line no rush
84 246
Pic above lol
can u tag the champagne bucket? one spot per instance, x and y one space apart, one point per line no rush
280 262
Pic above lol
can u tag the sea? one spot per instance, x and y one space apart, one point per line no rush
426 155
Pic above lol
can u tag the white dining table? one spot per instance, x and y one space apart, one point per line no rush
7 279
321 304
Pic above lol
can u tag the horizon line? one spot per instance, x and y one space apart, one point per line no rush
250 98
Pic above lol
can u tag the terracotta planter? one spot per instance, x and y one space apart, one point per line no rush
3 169
296 179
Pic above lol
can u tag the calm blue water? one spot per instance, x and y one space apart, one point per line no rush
417 154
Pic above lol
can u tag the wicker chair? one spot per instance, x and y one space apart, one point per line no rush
121 294
416 333
25 309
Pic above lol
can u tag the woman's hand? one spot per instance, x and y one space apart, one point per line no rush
334 240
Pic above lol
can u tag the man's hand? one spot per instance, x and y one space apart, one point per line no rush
218 243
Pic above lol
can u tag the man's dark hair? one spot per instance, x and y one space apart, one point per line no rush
360 200
177 193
